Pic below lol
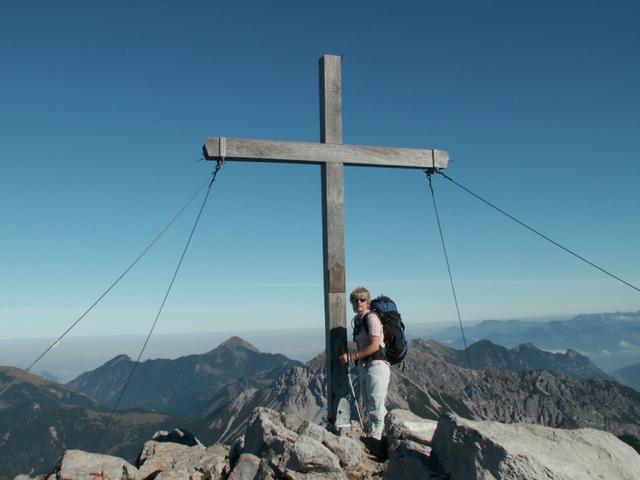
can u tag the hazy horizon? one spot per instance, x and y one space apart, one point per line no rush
78 354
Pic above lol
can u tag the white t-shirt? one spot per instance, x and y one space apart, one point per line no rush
375 329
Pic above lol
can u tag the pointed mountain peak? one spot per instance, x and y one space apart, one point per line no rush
526 346
484 343
237 342
122 358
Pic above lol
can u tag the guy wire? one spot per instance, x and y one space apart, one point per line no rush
446 257
117 280
166 295
531 229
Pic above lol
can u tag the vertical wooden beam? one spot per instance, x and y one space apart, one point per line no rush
333 242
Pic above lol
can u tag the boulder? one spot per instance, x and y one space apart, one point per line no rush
350 452
195 461
405 429
490 450
266 435
293 447
310 456
246 468
408 464
79 465
409 446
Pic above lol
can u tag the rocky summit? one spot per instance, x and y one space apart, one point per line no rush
42 420
430 385
278 446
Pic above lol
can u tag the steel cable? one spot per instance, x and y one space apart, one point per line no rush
164 300
446 257
487 202
117 280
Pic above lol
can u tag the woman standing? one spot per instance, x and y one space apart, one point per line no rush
373 369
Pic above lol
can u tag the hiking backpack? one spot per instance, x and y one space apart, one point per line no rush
393 328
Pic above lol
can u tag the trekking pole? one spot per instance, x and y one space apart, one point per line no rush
355 399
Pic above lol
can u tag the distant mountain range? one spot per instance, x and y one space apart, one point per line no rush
484 354
39 420
610 340
534 396
189 386
220 389
586 333
435 381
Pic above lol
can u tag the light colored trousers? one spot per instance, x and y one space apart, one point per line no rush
374 383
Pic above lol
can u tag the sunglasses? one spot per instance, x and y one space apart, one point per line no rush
359 300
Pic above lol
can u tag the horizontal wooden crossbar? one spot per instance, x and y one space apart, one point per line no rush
235 149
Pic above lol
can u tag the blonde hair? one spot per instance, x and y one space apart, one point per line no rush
359 293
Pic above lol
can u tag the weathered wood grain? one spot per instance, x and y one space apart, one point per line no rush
332 184
301 152
330 99
331 155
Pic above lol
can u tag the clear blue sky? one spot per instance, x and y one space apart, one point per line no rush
105 106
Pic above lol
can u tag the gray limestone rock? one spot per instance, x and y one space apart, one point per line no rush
490 450
250 467
246 468
350 452
266 435
408 464
180 474
79 465
310 456
293 447
279 446
197 461
405 428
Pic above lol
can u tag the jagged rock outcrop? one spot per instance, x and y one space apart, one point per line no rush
298 391
189 462
277 446
79 465
291 447
491 450
404 429
157 460
409 447
535 396
430 386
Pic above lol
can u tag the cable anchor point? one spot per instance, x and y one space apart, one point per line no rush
219 164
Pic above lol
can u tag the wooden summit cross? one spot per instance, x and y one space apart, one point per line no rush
331 155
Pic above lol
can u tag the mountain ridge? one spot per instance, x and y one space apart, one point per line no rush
435 381
186 386
40 419
591 333
430 385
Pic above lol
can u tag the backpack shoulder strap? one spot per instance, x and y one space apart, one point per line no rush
359 323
